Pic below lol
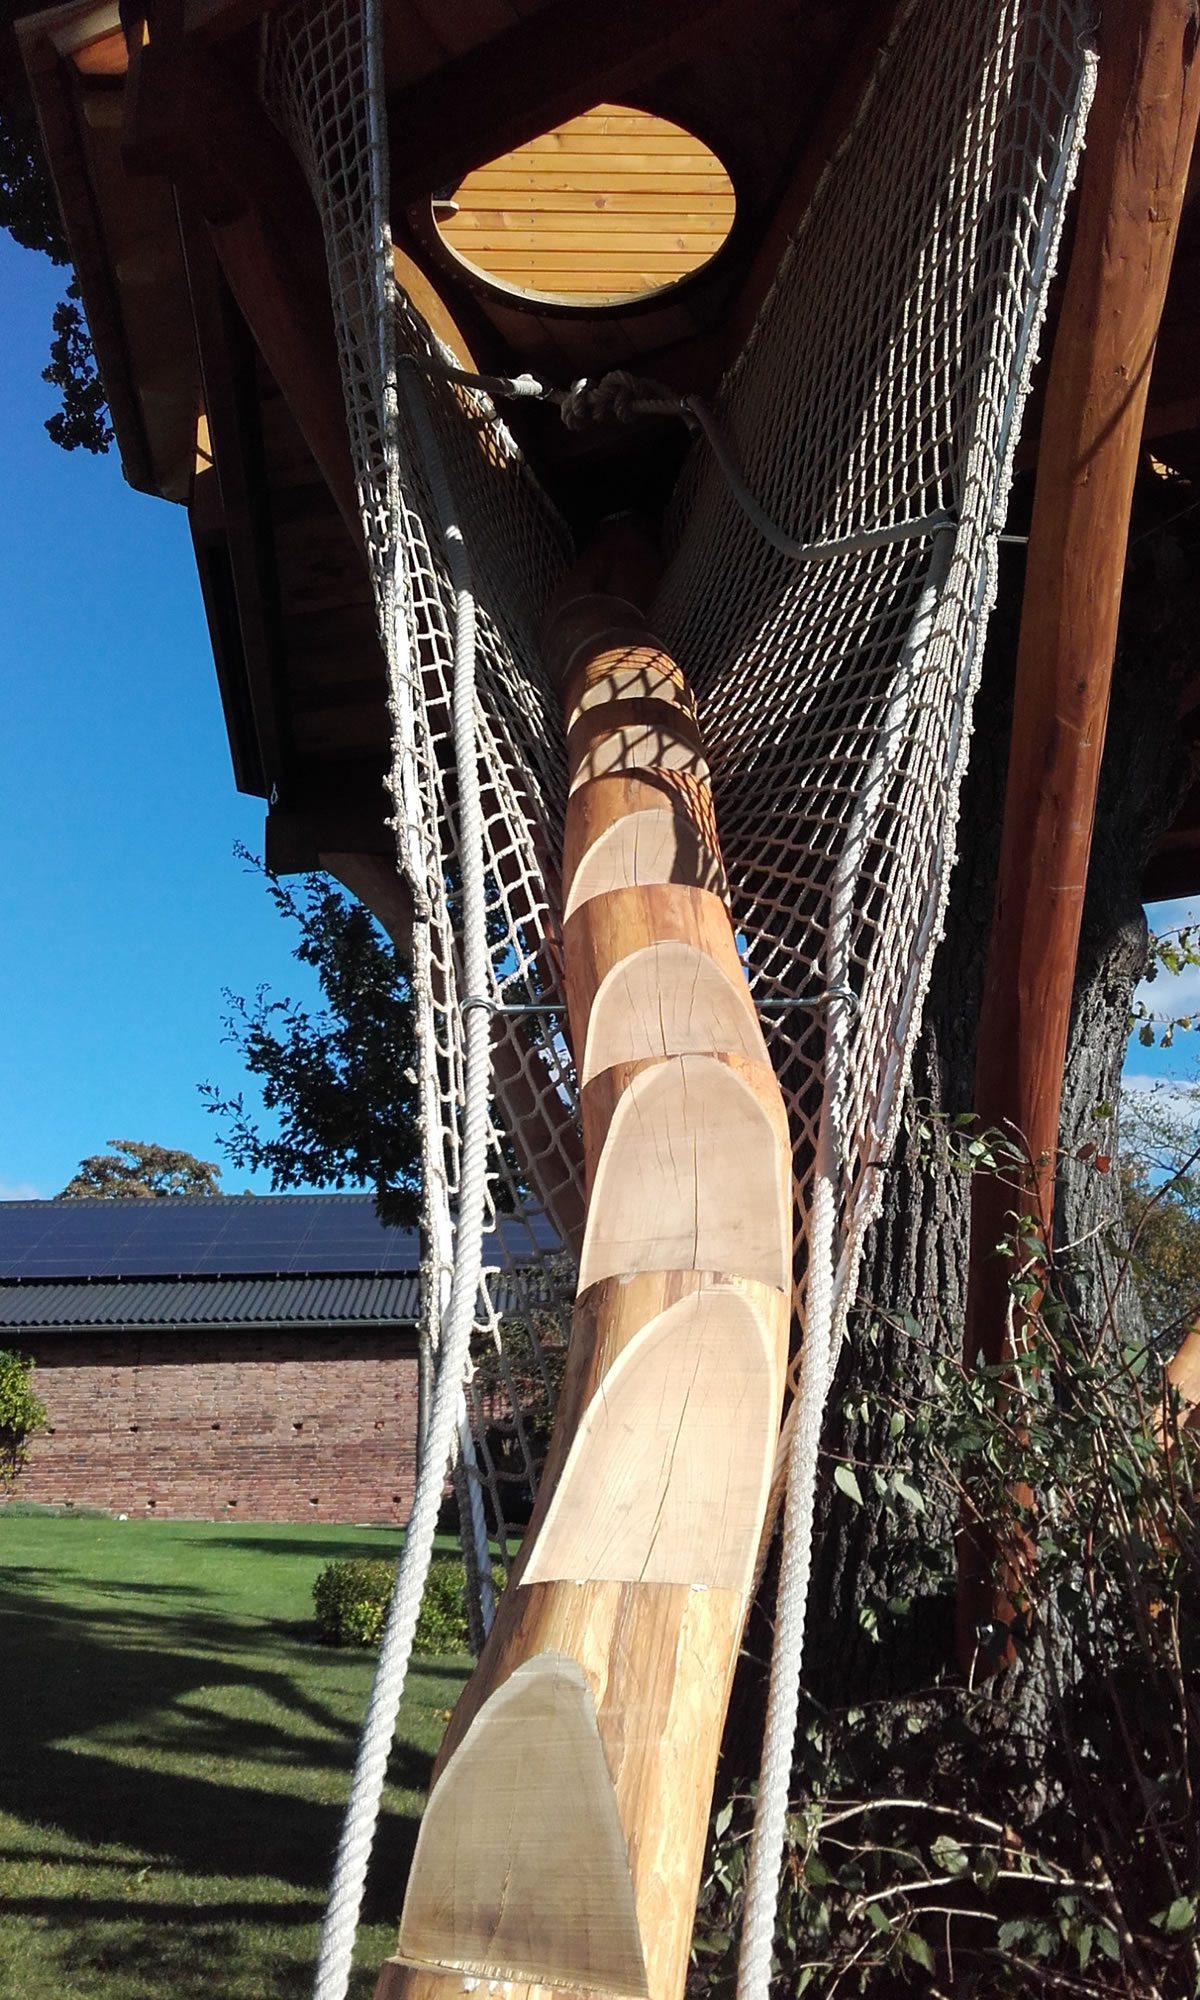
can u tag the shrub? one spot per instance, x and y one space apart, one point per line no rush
351 1600
1083 1876
352 1597
21 1414
442 1626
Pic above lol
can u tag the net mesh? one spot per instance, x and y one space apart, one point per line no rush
883 382
319 82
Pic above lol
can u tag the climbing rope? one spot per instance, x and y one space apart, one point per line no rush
622 398
447 1414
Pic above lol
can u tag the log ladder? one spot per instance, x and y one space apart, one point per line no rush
564 1836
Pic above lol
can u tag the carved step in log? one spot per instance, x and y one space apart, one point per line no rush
583 1751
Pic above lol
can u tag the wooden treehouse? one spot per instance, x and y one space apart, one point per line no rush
786 264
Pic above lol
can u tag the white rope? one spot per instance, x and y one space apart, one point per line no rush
621 397
803 552
783 1701
366 1789
823 1320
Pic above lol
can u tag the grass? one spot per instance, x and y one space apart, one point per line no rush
175 1750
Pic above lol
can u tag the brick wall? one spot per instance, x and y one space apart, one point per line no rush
275 1425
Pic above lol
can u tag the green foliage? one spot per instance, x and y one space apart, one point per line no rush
82 422
342 1081
1171 952
933 1846
22 1413
1160 1193
351 1600
442 1624
132 1170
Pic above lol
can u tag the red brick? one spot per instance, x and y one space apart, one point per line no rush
276 1425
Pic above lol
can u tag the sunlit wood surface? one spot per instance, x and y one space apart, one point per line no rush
605 208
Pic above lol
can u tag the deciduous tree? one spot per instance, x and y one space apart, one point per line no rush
134 1170
340 1080
22 1412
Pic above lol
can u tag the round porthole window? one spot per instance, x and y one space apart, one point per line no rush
611 207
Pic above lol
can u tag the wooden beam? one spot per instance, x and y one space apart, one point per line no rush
254 709
57 98
849 73
1135 168
196 121
621 1626
550 67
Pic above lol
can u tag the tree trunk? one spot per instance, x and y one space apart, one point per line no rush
916 1257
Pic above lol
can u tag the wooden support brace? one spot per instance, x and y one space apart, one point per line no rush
623 1618
1139 146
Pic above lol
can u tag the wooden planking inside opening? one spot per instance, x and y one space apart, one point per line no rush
521 1870
610 206
667 1477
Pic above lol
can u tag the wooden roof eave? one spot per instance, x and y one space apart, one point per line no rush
124 243
54 86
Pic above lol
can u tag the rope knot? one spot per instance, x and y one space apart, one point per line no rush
617 397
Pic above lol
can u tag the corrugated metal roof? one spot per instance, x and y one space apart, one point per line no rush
181 1236
194 1302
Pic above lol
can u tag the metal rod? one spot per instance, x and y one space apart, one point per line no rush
774 1006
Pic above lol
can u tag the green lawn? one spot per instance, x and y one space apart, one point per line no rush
174 1753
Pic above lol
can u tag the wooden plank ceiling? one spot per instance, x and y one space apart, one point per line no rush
607 208
200 257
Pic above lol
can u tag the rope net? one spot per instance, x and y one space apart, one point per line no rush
882 385
319 79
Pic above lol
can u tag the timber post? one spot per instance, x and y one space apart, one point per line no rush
565 1831
1139 146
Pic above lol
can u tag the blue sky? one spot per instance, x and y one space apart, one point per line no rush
123 912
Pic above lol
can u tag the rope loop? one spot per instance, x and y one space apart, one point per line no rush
617 397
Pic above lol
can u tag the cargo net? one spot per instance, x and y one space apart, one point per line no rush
319 81
834 542
882 385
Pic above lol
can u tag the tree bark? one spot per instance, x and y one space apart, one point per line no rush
916 1257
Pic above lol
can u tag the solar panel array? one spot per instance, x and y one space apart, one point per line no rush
214 1236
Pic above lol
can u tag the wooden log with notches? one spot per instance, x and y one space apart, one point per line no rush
564 1835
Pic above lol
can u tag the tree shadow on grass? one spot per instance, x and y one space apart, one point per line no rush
334 1549
158 1687
242 1952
